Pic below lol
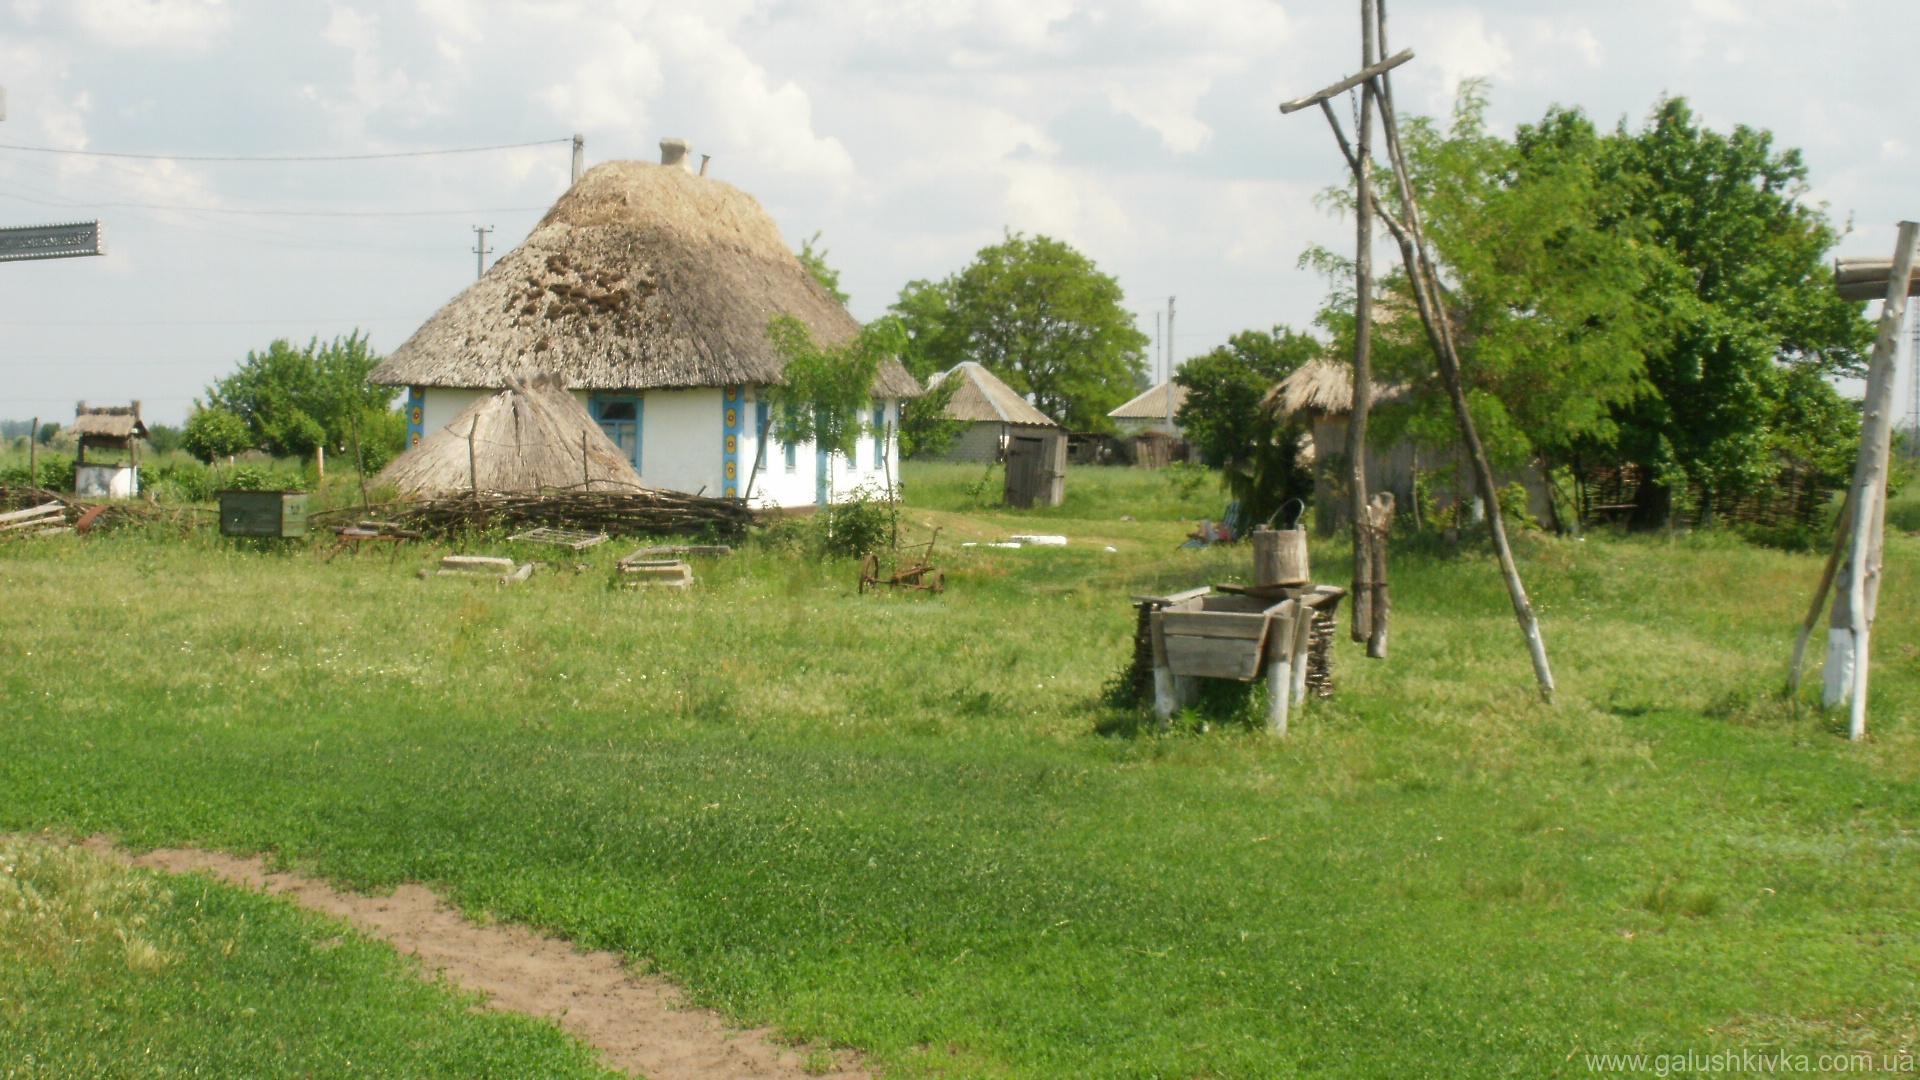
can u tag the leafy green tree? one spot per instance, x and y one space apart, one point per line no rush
47 433
1258 457
925 428
214 433
295 399
923 309
828 392
1042 317
815 260
1752 295
164 438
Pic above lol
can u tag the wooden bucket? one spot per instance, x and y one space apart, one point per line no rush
1280 556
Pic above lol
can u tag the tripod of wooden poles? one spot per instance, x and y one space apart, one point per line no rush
1370 599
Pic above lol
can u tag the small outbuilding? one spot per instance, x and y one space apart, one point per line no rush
995 415
1152 411
112 433
531 437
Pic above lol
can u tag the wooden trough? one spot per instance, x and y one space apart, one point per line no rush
1203 634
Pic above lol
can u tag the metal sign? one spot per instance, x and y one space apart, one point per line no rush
70 241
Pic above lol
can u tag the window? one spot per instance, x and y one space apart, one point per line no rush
879 436
760 433
621 417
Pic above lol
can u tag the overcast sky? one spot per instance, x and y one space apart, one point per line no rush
910 133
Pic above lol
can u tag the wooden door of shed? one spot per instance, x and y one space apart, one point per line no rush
1036 470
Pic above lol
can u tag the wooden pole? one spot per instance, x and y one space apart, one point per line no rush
1280 666
1853 605
320 464
1379 524
1842 529
359 462
33 454
473 471
586 473
1362 615
1433 314
759 455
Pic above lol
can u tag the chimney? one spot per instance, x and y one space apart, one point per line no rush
705 159
674 152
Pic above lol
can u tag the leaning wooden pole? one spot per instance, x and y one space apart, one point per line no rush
1842 530
1362 613
1430 300
1853 604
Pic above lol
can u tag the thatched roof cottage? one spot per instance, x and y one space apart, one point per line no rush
649 290
1320 395
993 411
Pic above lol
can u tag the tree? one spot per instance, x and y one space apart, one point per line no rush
924 309
1546 286
163 438
827 393
1258 457
214 433
47 433
295 399
815 260
1039 315
1752 297
925 427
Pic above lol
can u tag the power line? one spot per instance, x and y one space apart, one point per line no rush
269 158
273 213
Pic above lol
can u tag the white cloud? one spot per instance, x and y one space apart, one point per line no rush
179 25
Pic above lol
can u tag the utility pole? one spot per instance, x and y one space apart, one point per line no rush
1169 382
1913 385
579 157
480 250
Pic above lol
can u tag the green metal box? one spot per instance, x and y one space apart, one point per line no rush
279 514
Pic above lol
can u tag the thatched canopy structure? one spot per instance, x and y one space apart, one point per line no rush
107 425
1323 388
531 436
982 397
641 277
1152 404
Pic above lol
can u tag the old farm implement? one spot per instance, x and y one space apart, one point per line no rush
912 569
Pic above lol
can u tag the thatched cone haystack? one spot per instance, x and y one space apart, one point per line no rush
641 277
528 438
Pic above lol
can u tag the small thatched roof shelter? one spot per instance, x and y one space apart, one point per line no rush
983 397
1152 404
531 436
1322 388
107 425
641 277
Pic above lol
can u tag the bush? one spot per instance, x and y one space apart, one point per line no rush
258 478
215 433
180 481
860 526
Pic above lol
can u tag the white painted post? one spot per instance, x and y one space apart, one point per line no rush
1280 668
1302 645
1847 635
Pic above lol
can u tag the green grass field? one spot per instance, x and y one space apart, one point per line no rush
910 824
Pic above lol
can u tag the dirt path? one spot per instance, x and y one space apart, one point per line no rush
639 1024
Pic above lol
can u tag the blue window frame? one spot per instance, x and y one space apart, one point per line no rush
623 418
879 435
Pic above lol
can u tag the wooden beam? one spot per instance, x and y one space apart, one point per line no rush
1348 83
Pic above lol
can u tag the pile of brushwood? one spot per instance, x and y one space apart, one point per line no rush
628 513
108 514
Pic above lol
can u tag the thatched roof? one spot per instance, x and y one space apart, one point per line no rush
1152 405
527 437
640 277
1323 387
119 422
981 396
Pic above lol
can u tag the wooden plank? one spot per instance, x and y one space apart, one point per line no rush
1213 658
33 512
484 564
1174 598
1348 83
1216 624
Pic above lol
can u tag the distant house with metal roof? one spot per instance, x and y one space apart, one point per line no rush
1149 412
994 413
